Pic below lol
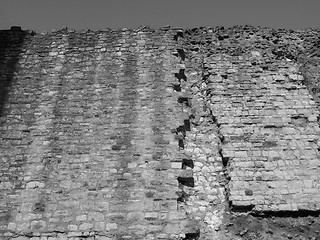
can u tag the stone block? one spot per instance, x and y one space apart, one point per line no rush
176 165
38 225
99 226
177 215
95 216
34 184
135 216
168 205
151 215
72 227
102 206
111 226
85 226
81 217
172 228
103 238
12 226
148 204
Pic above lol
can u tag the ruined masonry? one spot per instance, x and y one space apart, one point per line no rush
155 134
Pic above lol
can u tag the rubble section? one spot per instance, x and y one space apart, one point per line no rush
205 201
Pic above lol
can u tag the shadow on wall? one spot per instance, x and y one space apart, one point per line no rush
11 42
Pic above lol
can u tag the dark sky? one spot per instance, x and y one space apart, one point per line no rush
46 15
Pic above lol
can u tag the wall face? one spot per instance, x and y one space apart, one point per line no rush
154 134
93 137
270 129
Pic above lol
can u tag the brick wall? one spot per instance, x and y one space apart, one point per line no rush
153 134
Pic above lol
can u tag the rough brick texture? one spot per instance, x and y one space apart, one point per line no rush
154 134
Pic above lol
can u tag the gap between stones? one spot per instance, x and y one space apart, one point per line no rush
180 134
225 162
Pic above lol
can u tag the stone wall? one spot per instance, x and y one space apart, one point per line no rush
155 134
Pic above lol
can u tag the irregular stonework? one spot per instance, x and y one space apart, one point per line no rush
270 129
206 201
157 134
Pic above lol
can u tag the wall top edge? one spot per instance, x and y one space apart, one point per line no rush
17 29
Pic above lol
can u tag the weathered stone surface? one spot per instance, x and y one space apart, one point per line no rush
155 134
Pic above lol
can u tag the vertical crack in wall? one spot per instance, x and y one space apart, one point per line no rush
206 203
214 120
225 162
